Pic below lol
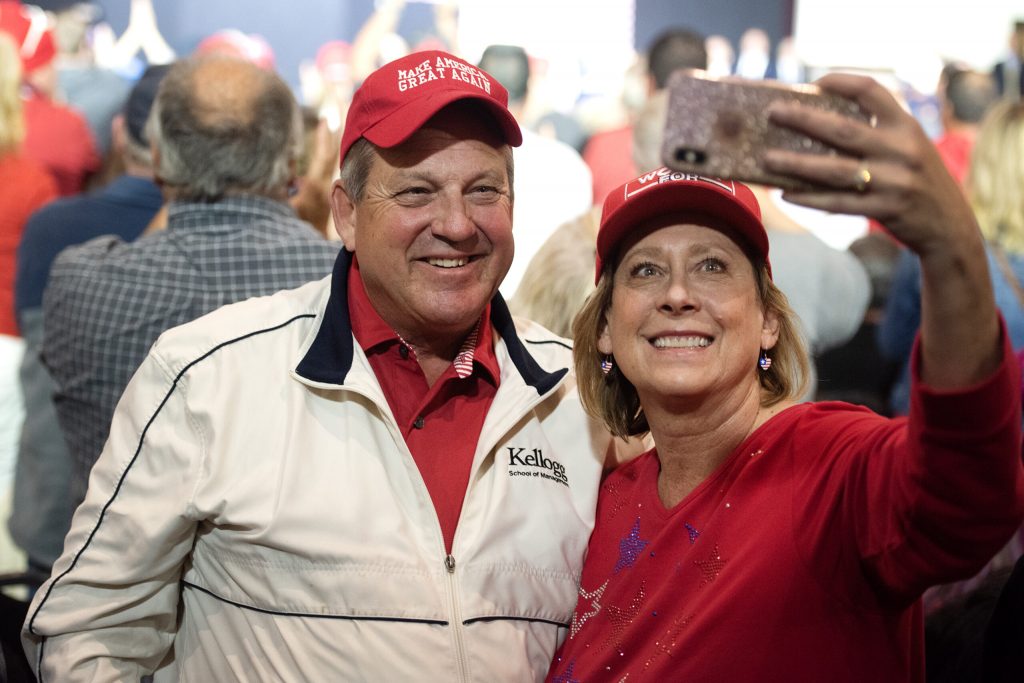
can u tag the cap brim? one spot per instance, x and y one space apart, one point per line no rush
403 122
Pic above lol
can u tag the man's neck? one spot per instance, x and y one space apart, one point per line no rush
137 170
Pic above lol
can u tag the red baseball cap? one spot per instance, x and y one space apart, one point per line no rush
30 30
333 61
396 99
232 42
686 198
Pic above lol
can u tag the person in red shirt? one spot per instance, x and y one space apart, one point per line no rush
55 136
609 153
967 96
762 539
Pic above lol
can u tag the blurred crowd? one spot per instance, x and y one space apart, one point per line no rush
83 156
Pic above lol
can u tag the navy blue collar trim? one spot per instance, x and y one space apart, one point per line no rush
329 358
533 374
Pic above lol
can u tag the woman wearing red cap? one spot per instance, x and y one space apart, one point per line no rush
762 539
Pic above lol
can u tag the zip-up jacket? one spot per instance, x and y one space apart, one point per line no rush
256 515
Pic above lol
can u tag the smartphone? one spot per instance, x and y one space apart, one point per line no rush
719 126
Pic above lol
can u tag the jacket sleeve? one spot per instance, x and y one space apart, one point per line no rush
108 612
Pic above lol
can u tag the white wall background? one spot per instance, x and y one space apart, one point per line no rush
907 37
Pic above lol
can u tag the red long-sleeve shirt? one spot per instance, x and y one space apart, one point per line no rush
803 557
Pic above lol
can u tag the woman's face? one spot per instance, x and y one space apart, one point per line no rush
685 319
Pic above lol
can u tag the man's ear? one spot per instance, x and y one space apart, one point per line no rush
344 212
293 173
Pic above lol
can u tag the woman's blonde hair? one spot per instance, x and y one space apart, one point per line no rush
996 176
560 276
613 399
12 122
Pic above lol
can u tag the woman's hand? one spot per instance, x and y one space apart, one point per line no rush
894 173
891 172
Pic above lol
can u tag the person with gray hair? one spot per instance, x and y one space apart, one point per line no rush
967 96
207 148
608 153
224 135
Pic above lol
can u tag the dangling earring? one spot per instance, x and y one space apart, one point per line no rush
607 364
764 362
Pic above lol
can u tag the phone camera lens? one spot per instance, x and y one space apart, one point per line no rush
690 156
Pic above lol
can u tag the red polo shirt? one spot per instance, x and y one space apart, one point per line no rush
441 424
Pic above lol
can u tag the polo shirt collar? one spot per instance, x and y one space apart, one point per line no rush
328 359
372 331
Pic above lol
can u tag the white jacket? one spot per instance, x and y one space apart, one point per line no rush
252 522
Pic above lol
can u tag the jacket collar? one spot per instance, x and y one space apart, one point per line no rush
328 359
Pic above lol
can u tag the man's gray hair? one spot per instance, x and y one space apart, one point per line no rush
355 168
237 133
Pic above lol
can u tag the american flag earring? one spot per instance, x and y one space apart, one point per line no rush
607 364
764 362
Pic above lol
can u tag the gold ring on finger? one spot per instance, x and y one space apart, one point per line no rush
862 179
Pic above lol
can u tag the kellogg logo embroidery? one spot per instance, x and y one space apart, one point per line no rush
442 68
664 175
533 464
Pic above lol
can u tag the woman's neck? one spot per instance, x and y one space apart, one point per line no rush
693 438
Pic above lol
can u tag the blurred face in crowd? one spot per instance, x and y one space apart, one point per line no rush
685 319
433 231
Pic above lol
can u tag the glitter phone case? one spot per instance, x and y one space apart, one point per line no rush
720 127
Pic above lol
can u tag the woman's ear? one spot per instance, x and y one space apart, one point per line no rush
604 338
770 328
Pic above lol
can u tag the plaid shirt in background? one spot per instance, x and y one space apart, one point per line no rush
107 301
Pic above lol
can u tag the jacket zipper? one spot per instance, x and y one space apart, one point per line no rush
449 559
456 621
458 629
455 609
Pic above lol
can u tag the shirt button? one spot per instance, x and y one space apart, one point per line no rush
418 424
403 351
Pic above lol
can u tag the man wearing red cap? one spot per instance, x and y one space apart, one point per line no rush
378 476
55 136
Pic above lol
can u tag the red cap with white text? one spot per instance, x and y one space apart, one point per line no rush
398 98
682 198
